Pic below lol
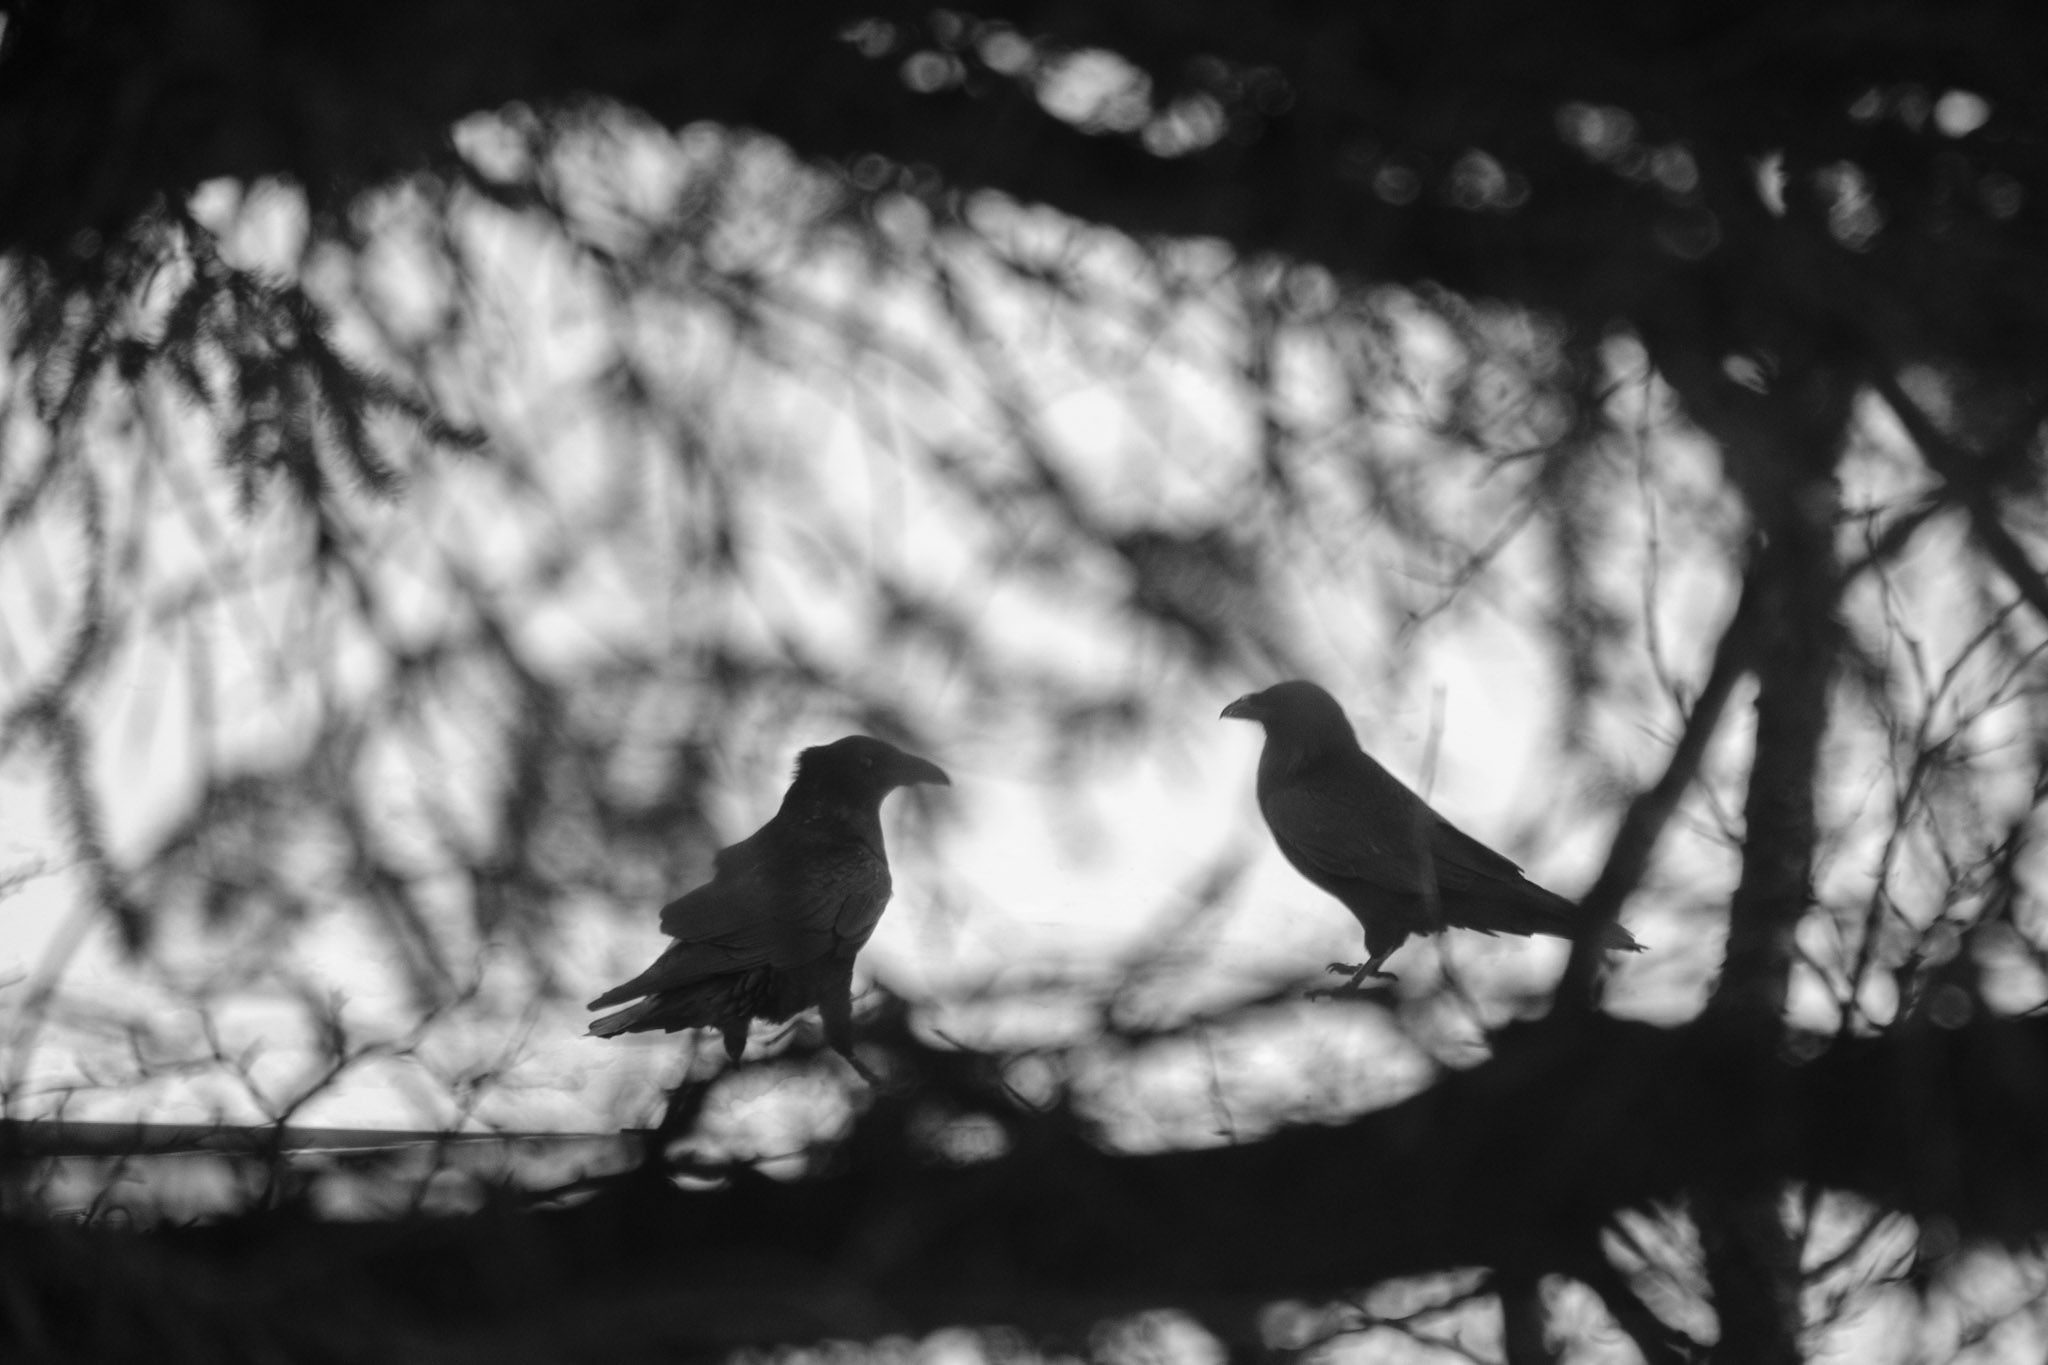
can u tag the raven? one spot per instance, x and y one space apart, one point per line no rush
1352 828
777 927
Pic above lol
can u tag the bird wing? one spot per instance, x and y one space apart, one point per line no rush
780 908
740 921
1335 828
728 925
1353 829
1360 824
745 855
1463 862
859 893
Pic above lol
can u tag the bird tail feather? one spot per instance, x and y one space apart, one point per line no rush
700 1004
1616 939
1525 915
644 984
614 996
627 1020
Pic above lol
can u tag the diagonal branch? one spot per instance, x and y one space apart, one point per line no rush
1636 839
1953 464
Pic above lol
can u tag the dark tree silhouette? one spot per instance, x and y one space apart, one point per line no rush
1518 307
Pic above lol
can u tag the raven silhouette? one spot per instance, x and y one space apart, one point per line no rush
787 910
1352 828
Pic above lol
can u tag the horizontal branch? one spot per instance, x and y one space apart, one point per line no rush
1373 138
1536 1148
40 1139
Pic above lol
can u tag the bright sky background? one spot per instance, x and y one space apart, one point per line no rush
1087 888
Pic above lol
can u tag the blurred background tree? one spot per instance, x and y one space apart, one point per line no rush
453 455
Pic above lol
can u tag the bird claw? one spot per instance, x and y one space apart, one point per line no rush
1358 972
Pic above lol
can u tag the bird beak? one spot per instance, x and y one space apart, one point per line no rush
910 769
1244 708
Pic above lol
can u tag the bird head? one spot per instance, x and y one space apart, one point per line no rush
863 764
1298 714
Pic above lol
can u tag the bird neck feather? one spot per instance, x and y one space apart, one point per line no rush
1280 760
853 816
1286 755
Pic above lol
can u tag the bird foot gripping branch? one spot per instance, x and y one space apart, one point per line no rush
1355 988
776 929
1359 974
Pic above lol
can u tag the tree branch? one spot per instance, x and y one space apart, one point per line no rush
1523 1322
1954 466
1528 1154
1636 840
1658 1341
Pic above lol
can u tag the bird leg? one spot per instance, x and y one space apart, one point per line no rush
1358 974
836 1010
867 1073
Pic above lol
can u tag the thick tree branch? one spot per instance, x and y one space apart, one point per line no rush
1780 446
1523 1321
1751 1261
1374 138
1795 666
1536 1148
1752 1265
1659 1342
1780 439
